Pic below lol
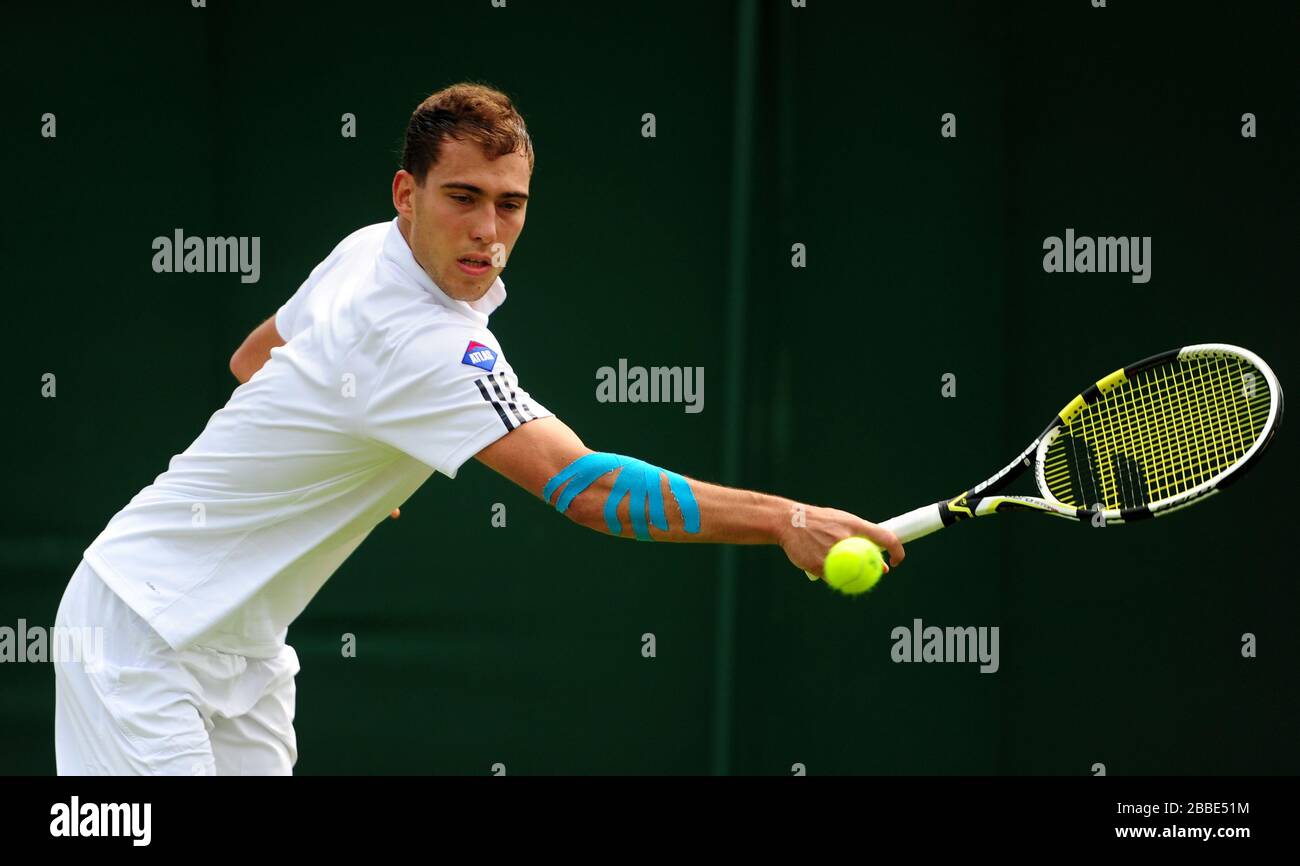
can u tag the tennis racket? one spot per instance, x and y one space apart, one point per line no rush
1146 441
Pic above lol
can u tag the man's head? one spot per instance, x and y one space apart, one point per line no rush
463 186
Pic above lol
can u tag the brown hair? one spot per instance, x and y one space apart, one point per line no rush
476 112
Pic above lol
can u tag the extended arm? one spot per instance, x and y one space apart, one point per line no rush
545 457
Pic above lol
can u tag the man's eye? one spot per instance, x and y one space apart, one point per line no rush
511 205
463 199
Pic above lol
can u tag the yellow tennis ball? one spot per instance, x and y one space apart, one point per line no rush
853 565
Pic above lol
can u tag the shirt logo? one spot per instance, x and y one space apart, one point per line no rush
478 355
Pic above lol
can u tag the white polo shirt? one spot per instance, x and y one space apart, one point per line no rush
383 379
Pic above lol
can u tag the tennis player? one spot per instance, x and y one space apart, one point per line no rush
379 371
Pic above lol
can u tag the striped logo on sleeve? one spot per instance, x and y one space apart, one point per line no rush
501 390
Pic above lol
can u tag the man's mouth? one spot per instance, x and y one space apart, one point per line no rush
475 266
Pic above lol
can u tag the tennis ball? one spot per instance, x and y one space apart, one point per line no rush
853 566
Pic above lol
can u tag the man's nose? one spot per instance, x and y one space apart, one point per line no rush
484 229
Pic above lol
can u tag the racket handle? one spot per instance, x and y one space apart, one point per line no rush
915 524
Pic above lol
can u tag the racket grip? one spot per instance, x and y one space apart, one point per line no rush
915 524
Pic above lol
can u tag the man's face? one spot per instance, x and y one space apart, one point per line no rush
463 221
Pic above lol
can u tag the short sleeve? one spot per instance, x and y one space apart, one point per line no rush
445 395
287 315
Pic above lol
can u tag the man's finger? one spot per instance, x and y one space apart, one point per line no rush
896 553
893 545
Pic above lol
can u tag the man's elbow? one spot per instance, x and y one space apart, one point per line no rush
581 515
588 510
239 367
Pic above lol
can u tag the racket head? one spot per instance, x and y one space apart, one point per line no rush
1161 434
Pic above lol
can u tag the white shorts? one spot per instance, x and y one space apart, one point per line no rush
146 709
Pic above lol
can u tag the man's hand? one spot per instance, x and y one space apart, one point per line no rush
807 545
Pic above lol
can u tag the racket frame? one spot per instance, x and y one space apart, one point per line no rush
982 499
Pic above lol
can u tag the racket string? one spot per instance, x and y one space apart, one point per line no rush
1158 434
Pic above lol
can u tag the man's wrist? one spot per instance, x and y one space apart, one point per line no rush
780 518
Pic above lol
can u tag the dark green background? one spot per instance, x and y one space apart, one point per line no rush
521 645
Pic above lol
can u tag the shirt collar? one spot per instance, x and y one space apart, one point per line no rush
399 252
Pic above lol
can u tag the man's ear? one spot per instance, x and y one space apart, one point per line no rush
404 187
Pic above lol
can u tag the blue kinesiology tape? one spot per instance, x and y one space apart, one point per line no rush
637 479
